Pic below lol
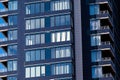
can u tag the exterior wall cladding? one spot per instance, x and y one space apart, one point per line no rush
59 40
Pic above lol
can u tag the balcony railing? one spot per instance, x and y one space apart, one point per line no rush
104 27
106 43
3 54
107 75
106 59
3 70
3 39
3 24
3 10
104 12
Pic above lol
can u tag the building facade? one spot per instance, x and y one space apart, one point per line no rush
59 40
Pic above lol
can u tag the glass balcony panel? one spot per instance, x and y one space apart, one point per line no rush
2 37
2 68
2 22
2 52
3 8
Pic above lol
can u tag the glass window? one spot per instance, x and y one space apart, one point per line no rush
95 24
60 36
42 22
34 8
13 5
32 55
62 68
38 55
42 38
37 9
35 39
57 52
57 20
28 25
60 5
35 71
96 56
35 55
42 70
27 56
42 7
28 11
52 21
27 71
67 19
95 40
12 20
64 36
96 72
68 51
53 37
12 35
68 35
32 72
12 65
53 53
60 20
61 52
42 54
94 9
35 23
12 50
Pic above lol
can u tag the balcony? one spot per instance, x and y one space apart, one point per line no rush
107 2
8 52
8 67
104 73
101 12
8 5
107 62
105 32
103 58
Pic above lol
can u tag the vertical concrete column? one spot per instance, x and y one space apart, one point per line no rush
78 40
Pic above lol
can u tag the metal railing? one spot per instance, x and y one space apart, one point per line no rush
107 75
106 43
106 59
104 12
